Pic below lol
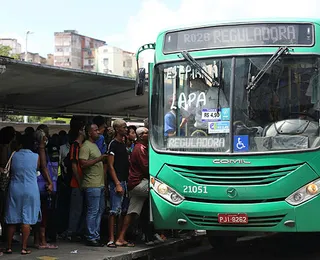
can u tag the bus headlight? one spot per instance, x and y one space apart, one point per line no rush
166 192
305 193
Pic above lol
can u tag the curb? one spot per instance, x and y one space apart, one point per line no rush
159 251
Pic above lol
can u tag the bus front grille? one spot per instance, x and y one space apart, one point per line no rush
260 175
210 221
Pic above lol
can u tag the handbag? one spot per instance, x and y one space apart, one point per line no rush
5 175
53 173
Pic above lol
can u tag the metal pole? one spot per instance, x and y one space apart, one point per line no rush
26 50
25 118
232 89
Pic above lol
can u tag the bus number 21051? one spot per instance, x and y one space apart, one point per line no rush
194 189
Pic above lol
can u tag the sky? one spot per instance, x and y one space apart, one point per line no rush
130 23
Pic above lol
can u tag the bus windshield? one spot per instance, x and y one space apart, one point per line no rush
191 114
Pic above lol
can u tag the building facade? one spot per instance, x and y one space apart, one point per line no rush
113 60
73 50
33 57
13 44
50 59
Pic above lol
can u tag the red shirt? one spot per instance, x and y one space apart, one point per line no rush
139 165
74 158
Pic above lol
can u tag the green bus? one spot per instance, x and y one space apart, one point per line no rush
234 128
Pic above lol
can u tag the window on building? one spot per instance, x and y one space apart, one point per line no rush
129 63
124 63
106 62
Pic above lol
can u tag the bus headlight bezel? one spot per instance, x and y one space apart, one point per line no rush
166 192
305 193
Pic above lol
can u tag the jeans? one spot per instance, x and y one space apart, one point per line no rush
76 215
118 203
95 202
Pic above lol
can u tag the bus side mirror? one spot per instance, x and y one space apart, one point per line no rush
140 82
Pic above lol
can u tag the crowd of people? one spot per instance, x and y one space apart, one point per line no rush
63 186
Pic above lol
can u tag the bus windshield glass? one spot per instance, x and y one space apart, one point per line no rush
191 114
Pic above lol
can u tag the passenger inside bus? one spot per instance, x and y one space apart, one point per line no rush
170 121
214 98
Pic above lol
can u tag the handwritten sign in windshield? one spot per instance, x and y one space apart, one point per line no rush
240 35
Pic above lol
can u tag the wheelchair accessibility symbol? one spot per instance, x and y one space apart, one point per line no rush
241 143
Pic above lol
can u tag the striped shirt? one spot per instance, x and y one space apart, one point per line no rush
74 158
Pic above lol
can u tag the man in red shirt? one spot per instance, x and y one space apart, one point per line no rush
76 215
138 182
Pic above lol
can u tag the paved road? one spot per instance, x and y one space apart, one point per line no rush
78 251
293 247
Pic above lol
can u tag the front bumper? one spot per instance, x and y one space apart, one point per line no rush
263 217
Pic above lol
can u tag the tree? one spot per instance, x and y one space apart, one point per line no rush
131 75
35 119
14 118
5 51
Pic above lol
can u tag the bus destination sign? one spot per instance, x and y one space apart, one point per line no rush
240 35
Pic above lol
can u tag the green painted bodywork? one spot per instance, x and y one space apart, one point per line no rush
263 201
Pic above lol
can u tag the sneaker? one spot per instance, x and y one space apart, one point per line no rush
94 243
158 238
63 236
150 243
163 237
75 239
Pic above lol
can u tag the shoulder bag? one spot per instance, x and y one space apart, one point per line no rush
5 175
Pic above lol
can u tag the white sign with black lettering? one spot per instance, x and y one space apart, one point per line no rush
221 127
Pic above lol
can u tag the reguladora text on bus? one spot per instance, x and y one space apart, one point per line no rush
240 35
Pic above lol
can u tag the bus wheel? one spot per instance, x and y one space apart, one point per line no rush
222 242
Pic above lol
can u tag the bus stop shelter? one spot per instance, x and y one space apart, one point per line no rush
36 89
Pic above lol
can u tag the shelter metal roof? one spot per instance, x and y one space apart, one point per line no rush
28 88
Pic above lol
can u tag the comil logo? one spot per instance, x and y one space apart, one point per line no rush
231 161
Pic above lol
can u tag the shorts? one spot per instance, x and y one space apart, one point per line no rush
118 203
138 196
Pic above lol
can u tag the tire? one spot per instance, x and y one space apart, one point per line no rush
222 242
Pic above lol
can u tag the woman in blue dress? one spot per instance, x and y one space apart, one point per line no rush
23 202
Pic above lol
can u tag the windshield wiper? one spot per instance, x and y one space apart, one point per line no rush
197 66
252 83
254 80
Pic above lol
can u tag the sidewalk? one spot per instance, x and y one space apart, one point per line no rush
78 251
